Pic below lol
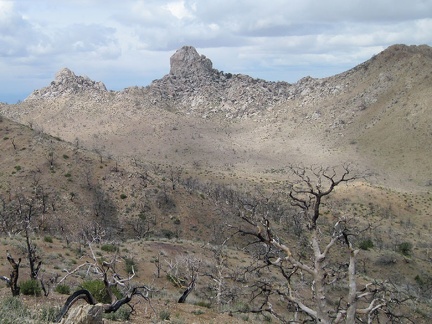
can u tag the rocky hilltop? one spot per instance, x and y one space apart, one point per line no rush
66 83
193 86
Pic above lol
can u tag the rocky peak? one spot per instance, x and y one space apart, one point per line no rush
186 61
65 83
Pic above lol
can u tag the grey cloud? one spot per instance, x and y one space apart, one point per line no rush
16 34
80 38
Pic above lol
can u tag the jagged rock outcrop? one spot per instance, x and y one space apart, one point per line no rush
194 87
67 83
186 61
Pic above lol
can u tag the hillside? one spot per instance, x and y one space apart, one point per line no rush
376 114
163 171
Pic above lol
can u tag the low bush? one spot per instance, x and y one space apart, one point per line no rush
62 289
405 248
164 315
31 288
109 248
99 292
48 239
48 314
366 244
12 310
121 315
130 265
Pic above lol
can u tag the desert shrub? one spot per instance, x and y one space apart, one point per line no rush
122 314
99 292
48 314
12 310
197 312
386 259
62 289
242 307
48 239
164 315
130 265
203 304
165 202
109 248
123 196
366 244
31 288
424 282
168 233
405 248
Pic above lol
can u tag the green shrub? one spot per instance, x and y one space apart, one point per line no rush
31 288
366 244
48 239
99 292
48 314
109 248
122 314
405 248
168 233
420 281
129 265
164 315
62 289
123 196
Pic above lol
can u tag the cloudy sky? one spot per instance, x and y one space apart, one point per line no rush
129 42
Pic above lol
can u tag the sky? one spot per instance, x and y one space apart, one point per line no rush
125 43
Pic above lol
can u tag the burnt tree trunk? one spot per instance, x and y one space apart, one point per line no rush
186 293
14 275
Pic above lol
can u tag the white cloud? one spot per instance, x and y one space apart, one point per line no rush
178 10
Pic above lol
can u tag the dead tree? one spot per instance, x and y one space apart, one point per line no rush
316 271
13 280
85 295
107 272
183 270
27 212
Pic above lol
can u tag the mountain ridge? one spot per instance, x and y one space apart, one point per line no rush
377 114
